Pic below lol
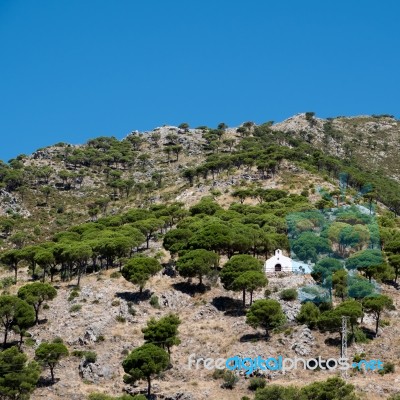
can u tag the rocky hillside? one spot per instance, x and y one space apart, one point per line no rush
371 141
77 217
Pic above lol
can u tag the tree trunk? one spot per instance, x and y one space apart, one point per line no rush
52 373
251 297
244 298
5 337
148 386
378 315
36 314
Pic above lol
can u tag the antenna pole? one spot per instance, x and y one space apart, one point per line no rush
344 343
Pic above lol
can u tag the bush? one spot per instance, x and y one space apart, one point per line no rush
88 356
309 314
115 303
256 383
218 374
120 318
30 342
360 336
78 353
7 282
75 308
288 294
305 193
115 275
74 294
230 380
154 301
388 368
131 310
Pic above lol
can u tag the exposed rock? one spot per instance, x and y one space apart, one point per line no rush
10 204
179 396
303 341
92 372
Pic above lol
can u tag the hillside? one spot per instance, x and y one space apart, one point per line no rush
79 216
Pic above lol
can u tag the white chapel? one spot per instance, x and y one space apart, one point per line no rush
280 263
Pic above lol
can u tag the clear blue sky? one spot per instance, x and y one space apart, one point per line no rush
75 69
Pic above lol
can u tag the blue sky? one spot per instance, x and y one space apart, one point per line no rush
76 69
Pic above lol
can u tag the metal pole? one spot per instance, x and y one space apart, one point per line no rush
344 343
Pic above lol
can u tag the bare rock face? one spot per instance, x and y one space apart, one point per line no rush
179 396
174 299
303 342
93 372
291 309
9 203
299 123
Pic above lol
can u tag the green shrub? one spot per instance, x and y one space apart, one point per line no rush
230 380
154 301
115 275
115 303
305 193
309 314
75 308
358 357
120 318
218 373
30 342
288 331
131 310
360 336
388 368
77 353
256 383
7 282
89 356
74 294
288 294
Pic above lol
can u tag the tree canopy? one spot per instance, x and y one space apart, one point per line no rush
144 362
